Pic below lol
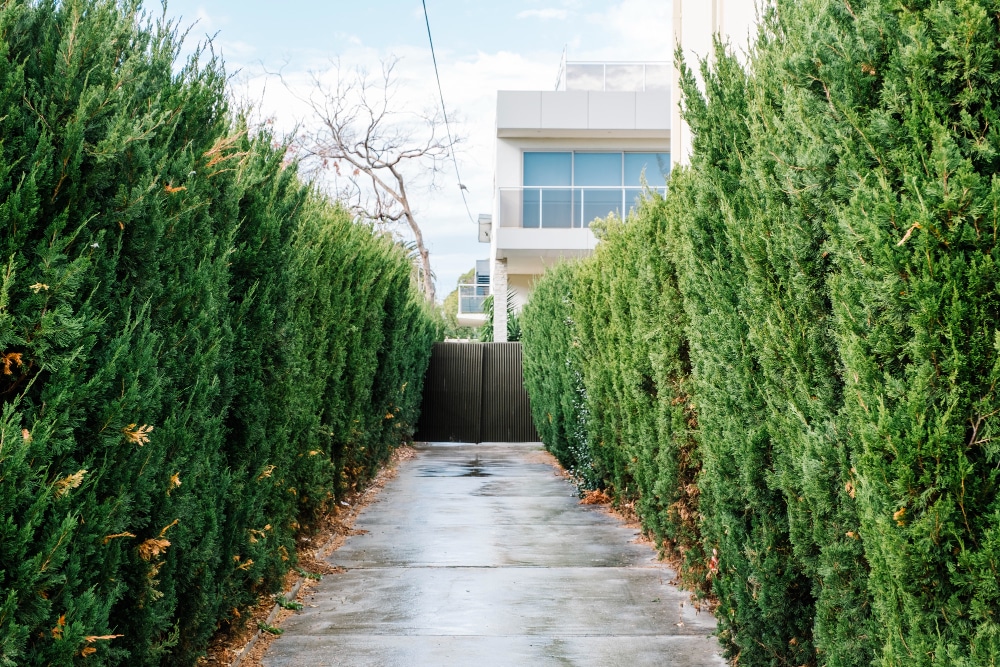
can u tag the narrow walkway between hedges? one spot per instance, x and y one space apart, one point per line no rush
482 555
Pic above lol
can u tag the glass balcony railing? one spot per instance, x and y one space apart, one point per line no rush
471 299
622 77
564 207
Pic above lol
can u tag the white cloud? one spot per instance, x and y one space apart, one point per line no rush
549 13
638 30
207 22
204 19
469 85
236 52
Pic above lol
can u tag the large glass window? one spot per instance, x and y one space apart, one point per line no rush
546 169
632 197
571 189
602 169
655 165
557 208
593 203
547 197
532 208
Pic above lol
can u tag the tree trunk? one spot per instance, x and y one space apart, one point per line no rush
427 280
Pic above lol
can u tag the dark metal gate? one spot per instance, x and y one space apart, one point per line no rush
474 392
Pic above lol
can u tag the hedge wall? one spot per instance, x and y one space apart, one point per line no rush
605 364
833 243
197 352
552 374
916 305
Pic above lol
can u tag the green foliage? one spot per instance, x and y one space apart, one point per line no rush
606 368
264 627
913 240
485 332
552 376
285 603
833 244
197 352
766 602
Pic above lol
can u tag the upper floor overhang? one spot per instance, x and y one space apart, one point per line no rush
571 113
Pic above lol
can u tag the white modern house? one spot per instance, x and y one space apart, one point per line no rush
564 158
568 156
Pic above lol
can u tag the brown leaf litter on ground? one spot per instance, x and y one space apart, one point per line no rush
244 646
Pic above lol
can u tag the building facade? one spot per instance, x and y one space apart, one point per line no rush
566 157
695 22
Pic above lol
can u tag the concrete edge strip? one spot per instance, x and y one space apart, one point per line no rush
294 590
290 595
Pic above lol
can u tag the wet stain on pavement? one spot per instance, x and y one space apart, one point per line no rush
505 570
474 468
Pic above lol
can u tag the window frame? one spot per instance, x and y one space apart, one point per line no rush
577 190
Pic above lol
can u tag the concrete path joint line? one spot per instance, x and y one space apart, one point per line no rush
480 555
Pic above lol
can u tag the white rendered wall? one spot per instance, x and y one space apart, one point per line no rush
695 23
563 121
545 113
499 289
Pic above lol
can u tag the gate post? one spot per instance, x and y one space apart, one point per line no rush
500 301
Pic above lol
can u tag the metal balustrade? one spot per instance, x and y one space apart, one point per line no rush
618 76
471 299
562 207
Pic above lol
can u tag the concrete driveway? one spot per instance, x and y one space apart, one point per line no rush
481 555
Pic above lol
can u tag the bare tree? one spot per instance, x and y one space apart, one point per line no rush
376 149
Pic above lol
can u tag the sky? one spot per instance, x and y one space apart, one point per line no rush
481 47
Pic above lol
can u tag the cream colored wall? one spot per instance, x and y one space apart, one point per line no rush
523 285
695 23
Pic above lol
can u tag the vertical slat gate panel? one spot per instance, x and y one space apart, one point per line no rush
506 414
452 394
474 392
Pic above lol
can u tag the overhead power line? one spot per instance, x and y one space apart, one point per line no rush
444 112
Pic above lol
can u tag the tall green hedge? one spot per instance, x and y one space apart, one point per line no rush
765 600
552 375
606 368
785 246
197 351
834 247
916 301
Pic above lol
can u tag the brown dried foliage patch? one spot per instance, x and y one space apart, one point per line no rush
595 497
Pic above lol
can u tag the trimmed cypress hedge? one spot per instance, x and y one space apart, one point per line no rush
552 375
605 364
764 600
198 353
916 301
833 247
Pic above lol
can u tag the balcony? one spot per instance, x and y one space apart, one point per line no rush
627 77
560 207
471 311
